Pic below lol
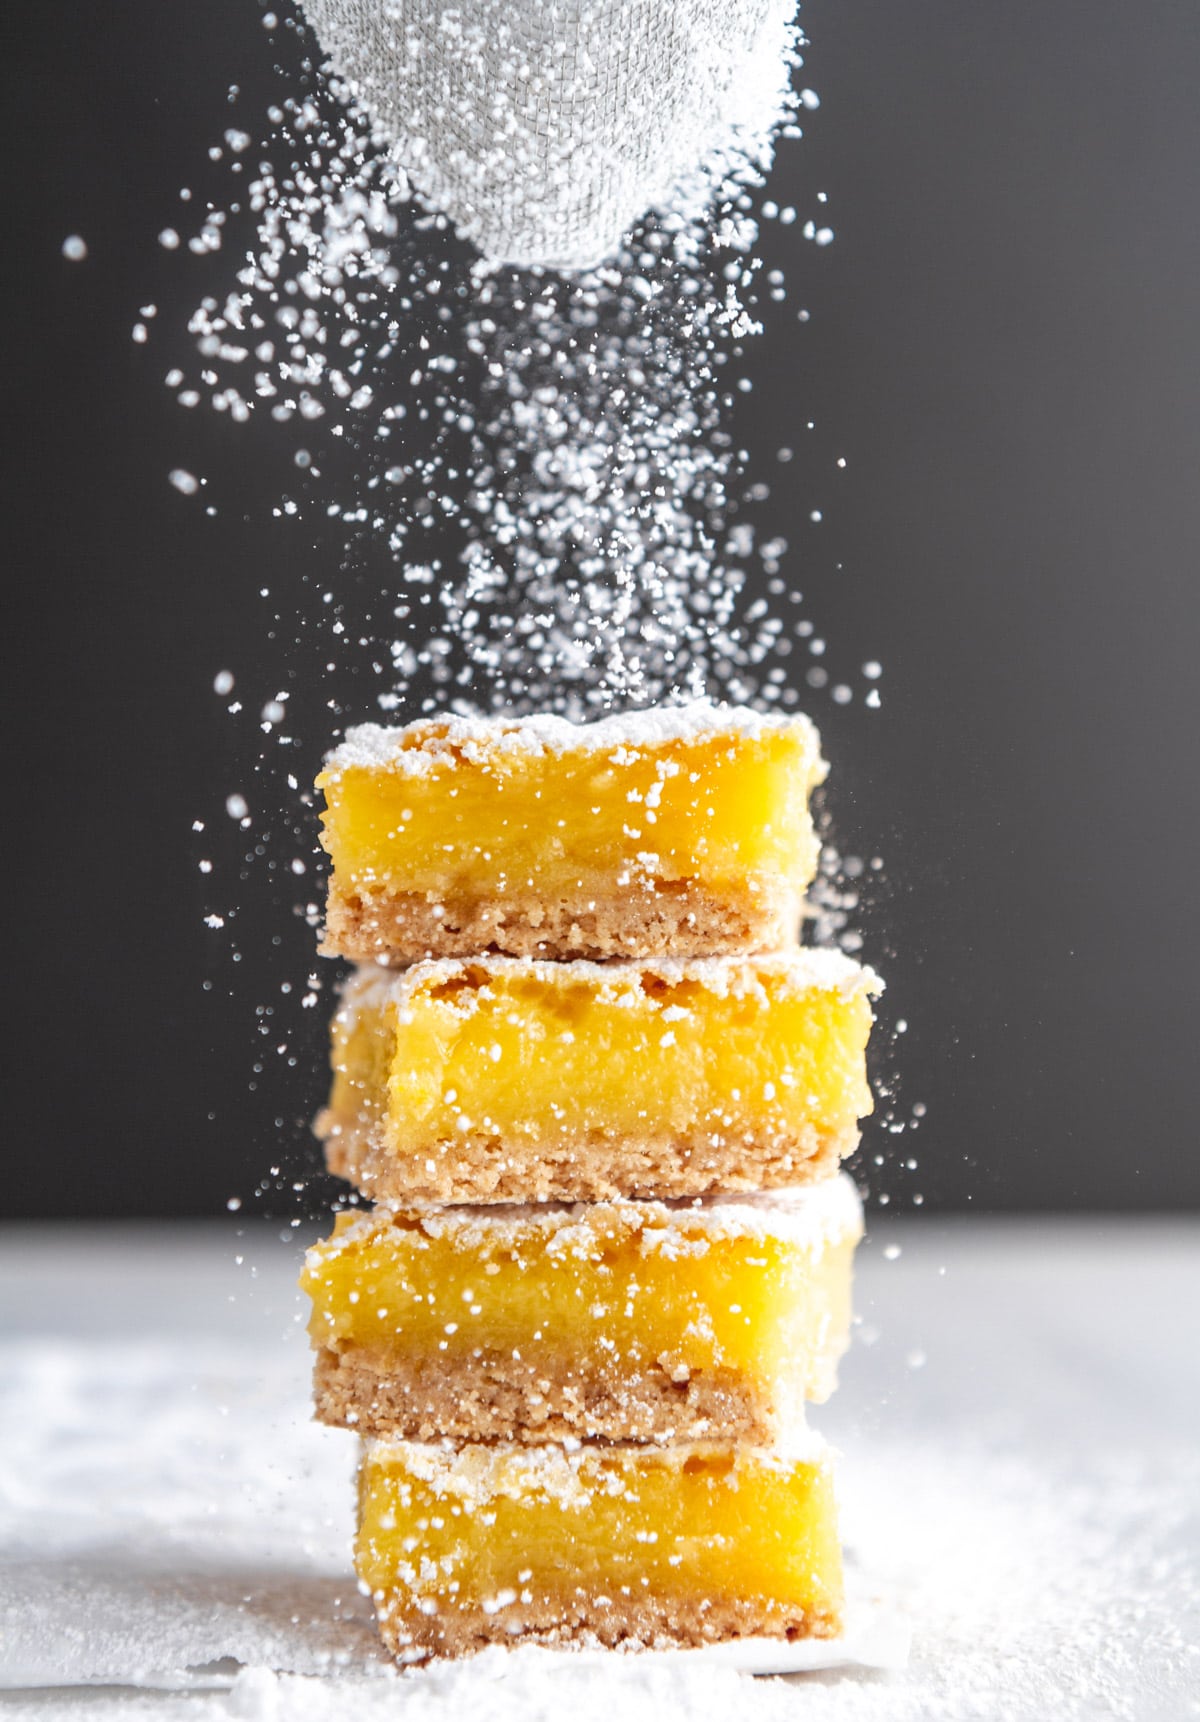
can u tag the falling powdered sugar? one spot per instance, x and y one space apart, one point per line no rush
530 486
545 462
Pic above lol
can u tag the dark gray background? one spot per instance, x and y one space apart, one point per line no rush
1003 344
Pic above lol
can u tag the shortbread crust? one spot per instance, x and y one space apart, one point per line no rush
622 1623
505 1399
592 1169
644 918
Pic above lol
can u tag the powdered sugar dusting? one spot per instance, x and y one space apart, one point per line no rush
798 971
809 1218
476 1475
417 746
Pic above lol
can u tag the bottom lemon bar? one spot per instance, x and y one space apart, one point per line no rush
631 1546
630 1321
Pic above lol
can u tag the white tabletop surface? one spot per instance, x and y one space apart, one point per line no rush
1019 1423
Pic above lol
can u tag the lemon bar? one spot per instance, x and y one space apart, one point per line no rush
510 1079
684 829
627 1321
633 1546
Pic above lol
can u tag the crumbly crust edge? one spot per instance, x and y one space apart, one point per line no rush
596 1168
504 1399
683 918
615 1623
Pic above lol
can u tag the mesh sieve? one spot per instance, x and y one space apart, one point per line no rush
544 128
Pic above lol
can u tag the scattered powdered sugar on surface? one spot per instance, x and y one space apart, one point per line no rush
170 1515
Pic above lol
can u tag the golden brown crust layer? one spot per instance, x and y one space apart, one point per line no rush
682 918
612 1622
483 1169
502 1398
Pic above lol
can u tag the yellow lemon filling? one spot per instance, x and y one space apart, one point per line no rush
543 819
680 1544
721 802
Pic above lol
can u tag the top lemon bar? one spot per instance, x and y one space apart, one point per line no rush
681 830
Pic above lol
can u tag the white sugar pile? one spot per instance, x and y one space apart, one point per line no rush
168 1509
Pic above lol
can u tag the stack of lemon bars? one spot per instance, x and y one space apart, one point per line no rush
598 1094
